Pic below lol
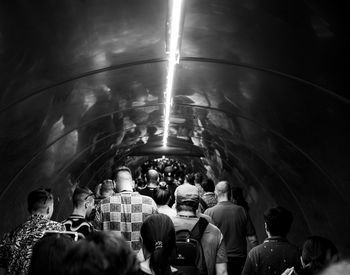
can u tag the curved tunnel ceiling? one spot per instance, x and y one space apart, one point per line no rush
260 97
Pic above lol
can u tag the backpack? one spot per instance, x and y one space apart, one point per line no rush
189 257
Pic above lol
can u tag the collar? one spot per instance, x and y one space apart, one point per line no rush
77 216
126 191
275 239
186 214
38 216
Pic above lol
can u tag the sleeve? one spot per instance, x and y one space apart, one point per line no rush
4 250
250 226
97 222
221 256
248 265
154 208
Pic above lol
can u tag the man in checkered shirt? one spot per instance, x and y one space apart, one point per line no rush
126 210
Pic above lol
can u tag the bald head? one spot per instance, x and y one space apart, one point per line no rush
222 190
152 177
124 181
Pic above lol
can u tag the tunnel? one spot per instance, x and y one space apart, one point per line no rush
260 98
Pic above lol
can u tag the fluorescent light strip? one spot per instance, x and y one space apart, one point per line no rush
173 58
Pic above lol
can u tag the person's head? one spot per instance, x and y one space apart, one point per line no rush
223 190
123 178
168 174
317 253
278 221
158 242
48 253
103 252
162 194
152 177
208 185
40 201
339 268
107 188
187 198
198 177
83 200
189 178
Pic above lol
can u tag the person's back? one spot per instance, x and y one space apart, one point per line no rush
83 203
152 178
275 254
16 248
233 223
212 241
125 211
187 201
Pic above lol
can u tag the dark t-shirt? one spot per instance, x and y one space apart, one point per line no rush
234 224
271 257
77 223
147 191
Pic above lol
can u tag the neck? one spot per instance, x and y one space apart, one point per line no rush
45 215
186 213
79 211
222 198
273 236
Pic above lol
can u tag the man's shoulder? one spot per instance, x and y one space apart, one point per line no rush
53 225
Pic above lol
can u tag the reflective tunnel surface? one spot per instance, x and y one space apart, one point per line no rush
261 97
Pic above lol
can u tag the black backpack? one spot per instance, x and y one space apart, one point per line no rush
189 257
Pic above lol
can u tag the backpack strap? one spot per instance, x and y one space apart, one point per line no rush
203 203
199 228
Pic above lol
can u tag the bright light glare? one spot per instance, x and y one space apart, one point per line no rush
173 59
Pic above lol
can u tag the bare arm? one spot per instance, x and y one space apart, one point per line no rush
253 240
221 268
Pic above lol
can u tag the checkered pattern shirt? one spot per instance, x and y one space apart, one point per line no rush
124 213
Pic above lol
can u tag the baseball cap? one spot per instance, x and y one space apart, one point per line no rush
187 193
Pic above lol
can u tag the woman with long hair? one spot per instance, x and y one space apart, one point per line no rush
158 244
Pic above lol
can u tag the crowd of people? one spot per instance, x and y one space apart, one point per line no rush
162 221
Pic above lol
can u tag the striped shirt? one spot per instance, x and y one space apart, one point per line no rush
124 213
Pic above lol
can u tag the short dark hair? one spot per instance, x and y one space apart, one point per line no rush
80 195
48 253
187 206
208 185
162 194
278 221
190 178
121 169
318 252
39 199
103 252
